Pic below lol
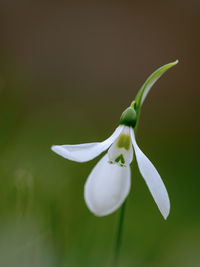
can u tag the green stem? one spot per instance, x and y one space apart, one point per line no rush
136 104
119 234
121 217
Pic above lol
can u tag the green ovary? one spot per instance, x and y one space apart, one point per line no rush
124 141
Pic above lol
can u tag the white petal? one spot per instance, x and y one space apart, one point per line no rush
116 151
88 151
107 187
152 179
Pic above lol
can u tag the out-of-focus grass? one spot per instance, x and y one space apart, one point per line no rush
44 220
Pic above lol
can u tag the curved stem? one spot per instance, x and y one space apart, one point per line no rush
119 234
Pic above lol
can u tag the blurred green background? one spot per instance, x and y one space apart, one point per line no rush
67 71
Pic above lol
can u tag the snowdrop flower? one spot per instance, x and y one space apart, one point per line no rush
109 182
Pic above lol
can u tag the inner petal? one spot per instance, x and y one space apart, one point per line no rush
121 151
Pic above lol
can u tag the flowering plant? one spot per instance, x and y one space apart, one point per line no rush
110 180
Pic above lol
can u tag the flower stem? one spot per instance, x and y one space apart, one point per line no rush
121 219
119 235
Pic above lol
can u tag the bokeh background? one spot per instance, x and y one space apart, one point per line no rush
67 71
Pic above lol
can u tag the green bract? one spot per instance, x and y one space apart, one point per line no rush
130 117
150 82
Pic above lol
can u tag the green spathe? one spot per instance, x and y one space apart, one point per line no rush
129 117
144 90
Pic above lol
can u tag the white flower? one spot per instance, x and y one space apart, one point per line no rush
110 180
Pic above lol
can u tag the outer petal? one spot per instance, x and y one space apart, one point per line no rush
107 187
88 151
152 179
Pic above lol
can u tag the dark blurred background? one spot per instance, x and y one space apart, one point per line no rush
67 71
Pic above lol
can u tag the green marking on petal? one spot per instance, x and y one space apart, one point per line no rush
120 158
124 141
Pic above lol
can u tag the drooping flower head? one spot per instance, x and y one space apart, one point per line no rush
109 182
